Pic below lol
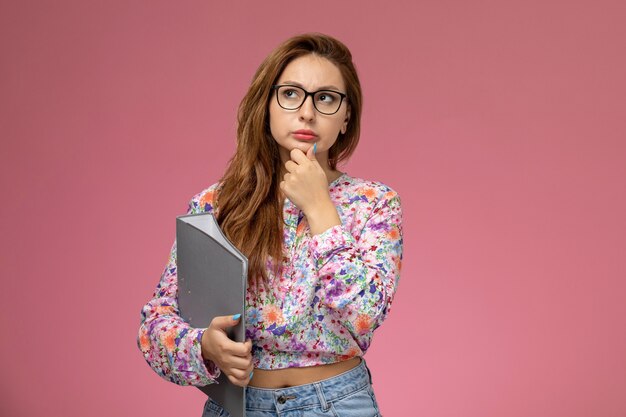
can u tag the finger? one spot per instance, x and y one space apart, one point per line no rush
246 348
251 368
224 322
237 362
238 349
240 374
237 381
291 166
310 154
298 156
224 348
240 377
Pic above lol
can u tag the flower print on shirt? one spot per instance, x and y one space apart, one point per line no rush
253 316
336 289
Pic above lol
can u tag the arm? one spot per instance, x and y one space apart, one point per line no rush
171 347
358 275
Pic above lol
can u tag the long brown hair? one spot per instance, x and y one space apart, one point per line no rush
249 209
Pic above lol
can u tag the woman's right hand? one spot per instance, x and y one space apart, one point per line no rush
233 358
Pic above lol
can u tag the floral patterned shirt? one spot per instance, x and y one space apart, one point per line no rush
335 289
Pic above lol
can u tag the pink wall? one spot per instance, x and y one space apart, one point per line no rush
501 125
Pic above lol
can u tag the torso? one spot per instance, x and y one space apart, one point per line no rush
304 330
290 377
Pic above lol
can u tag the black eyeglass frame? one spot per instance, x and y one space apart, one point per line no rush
307 94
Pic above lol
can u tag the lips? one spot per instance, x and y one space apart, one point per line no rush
304 134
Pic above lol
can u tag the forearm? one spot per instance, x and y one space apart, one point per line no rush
358 274
171 346
358 285
173 351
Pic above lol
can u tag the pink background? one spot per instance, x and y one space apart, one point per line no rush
502 125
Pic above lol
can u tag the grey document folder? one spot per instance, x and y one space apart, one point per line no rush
212 277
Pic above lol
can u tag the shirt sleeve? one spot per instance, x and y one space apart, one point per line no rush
171 346
358 273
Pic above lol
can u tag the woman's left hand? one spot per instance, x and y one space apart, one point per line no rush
306 185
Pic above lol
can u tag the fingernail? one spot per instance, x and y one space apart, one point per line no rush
315 148
236 317
251 374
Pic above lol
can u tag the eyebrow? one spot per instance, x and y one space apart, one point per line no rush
324 87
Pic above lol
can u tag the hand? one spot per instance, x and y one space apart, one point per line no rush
233 358
305 182
306 185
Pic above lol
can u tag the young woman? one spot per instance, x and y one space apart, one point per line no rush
324 248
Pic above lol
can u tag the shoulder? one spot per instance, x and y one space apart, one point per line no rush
351 190
362 202
203 202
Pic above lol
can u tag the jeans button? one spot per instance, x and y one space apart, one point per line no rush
282 399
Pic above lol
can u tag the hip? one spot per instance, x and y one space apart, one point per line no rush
349 394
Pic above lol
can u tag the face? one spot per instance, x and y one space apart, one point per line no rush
305 126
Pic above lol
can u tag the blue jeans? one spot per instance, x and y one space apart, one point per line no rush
348 394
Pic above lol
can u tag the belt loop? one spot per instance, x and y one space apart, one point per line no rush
368 371
320 395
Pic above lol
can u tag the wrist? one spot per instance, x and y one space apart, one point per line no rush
203 347
322 217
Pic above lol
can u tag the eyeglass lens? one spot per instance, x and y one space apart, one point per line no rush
291 98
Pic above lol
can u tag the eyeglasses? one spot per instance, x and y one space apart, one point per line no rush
292 97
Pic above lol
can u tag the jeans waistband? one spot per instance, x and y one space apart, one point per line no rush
316 393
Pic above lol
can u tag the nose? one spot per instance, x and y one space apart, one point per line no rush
307 110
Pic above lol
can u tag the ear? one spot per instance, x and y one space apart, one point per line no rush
344 127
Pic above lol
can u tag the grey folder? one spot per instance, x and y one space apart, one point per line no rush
212 276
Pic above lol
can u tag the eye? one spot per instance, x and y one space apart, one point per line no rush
290 93
327 97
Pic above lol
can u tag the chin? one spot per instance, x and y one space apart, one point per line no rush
303 146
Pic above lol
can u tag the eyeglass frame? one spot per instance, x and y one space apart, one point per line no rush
307 94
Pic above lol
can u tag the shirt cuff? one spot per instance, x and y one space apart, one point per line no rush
326 244
209 372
